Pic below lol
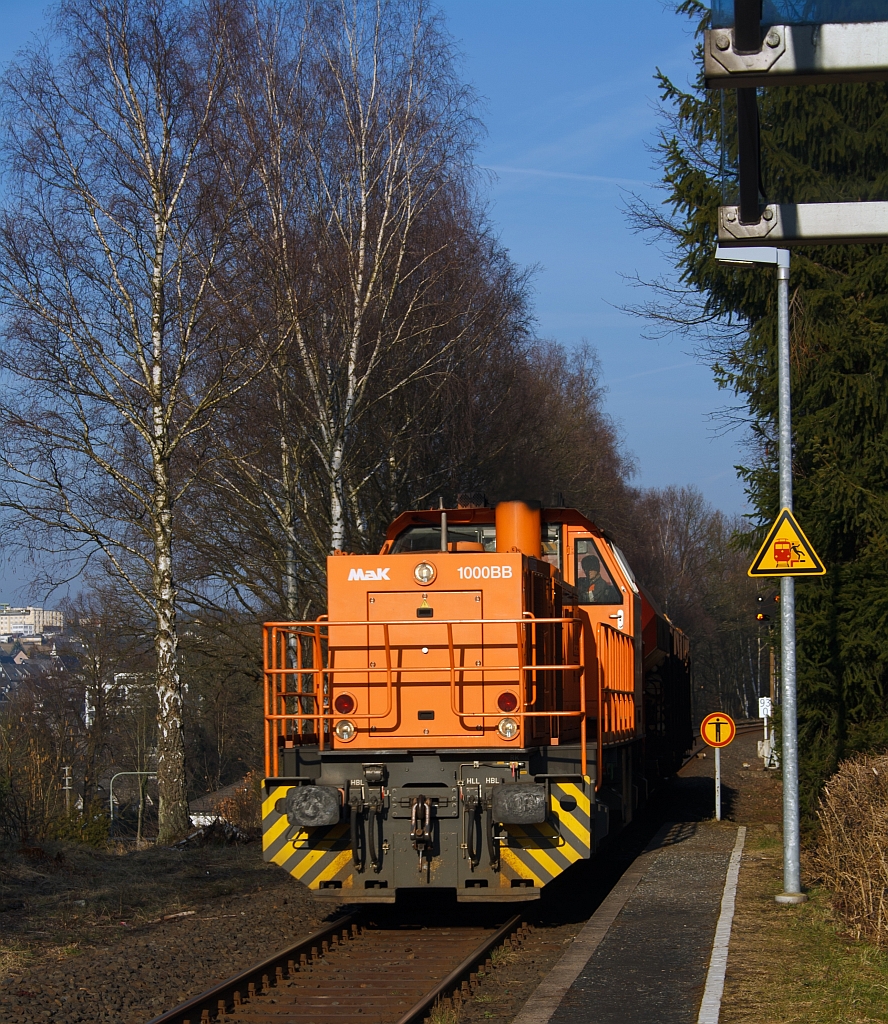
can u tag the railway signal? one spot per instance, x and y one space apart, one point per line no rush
763 604
718 730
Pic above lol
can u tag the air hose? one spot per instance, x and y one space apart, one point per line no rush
471 823
373 821
493 846
356 843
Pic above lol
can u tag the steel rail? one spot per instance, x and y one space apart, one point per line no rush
261 978
220 998
420 1009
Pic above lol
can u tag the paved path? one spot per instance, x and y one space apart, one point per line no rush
644 956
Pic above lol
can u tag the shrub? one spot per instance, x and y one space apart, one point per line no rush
91 827
244 807
852 848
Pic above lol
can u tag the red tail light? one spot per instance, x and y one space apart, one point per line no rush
344 704
507 701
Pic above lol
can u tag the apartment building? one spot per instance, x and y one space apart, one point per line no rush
29 621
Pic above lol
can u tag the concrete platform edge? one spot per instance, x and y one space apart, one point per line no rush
547 996
710 1007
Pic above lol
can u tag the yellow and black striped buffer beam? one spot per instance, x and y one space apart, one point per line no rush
541 852
314 855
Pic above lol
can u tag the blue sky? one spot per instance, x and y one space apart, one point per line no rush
571 113
569 102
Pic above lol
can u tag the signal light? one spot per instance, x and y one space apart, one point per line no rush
344 704
507 701
762 599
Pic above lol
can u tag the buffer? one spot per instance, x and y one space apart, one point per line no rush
786 551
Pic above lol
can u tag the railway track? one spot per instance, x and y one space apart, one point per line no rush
351 972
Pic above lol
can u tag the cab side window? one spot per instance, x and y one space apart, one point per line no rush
595 585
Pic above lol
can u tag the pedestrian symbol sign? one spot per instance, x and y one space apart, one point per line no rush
718 729
786 551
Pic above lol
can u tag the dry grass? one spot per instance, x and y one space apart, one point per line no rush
793 965
500 956
443 1013
59 898
851 856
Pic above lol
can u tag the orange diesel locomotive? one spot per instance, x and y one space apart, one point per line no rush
486 700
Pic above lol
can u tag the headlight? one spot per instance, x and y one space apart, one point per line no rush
508 728
345 730
424 573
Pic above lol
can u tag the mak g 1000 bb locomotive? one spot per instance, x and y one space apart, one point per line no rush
486 699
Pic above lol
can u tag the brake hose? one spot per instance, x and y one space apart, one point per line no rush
373 819
491 841
470 823
357 860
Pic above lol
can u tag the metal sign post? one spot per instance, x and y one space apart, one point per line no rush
66 787
789 745
718 730
790 43
792 881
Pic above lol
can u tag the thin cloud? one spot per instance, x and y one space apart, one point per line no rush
565 174
650 373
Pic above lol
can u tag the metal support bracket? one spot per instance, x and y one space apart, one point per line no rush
723 59
807 224
799 55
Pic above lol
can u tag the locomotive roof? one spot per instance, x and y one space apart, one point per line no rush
486 514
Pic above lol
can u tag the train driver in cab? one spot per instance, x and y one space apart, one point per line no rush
593 587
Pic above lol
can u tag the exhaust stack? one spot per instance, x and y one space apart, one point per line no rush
518 528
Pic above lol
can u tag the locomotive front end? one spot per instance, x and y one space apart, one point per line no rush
432 731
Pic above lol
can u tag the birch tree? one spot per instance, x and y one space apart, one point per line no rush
383 291
117 347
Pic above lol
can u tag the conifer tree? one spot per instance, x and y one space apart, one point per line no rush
825 143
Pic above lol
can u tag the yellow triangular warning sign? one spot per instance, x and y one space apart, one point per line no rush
786 551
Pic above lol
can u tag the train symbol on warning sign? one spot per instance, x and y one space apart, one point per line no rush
786 551
786 555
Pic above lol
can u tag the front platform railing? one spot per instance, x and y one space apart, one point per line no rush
301 667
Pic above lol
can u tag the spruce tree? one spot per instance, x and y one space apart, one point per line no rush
820 144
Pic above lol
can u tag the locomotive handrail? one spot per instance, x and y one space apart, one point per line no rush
616 685
523 669
527 617
319 717
318 675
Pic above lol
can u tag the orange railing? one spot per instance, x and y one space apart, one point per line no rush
616 687
299 666
616 660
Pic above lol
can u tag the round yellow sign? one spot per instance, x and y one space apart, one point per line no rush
718 729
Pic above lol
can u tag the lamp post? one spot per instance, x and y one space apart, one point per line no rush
779 258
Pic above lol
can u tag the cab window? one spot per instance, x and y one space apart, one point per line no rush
595 585
552 544
428 538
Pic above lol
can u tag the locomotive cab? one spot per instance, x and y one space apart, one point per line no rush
468 715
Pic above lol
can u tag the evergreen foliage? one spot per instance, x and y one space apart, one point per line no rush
820 143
